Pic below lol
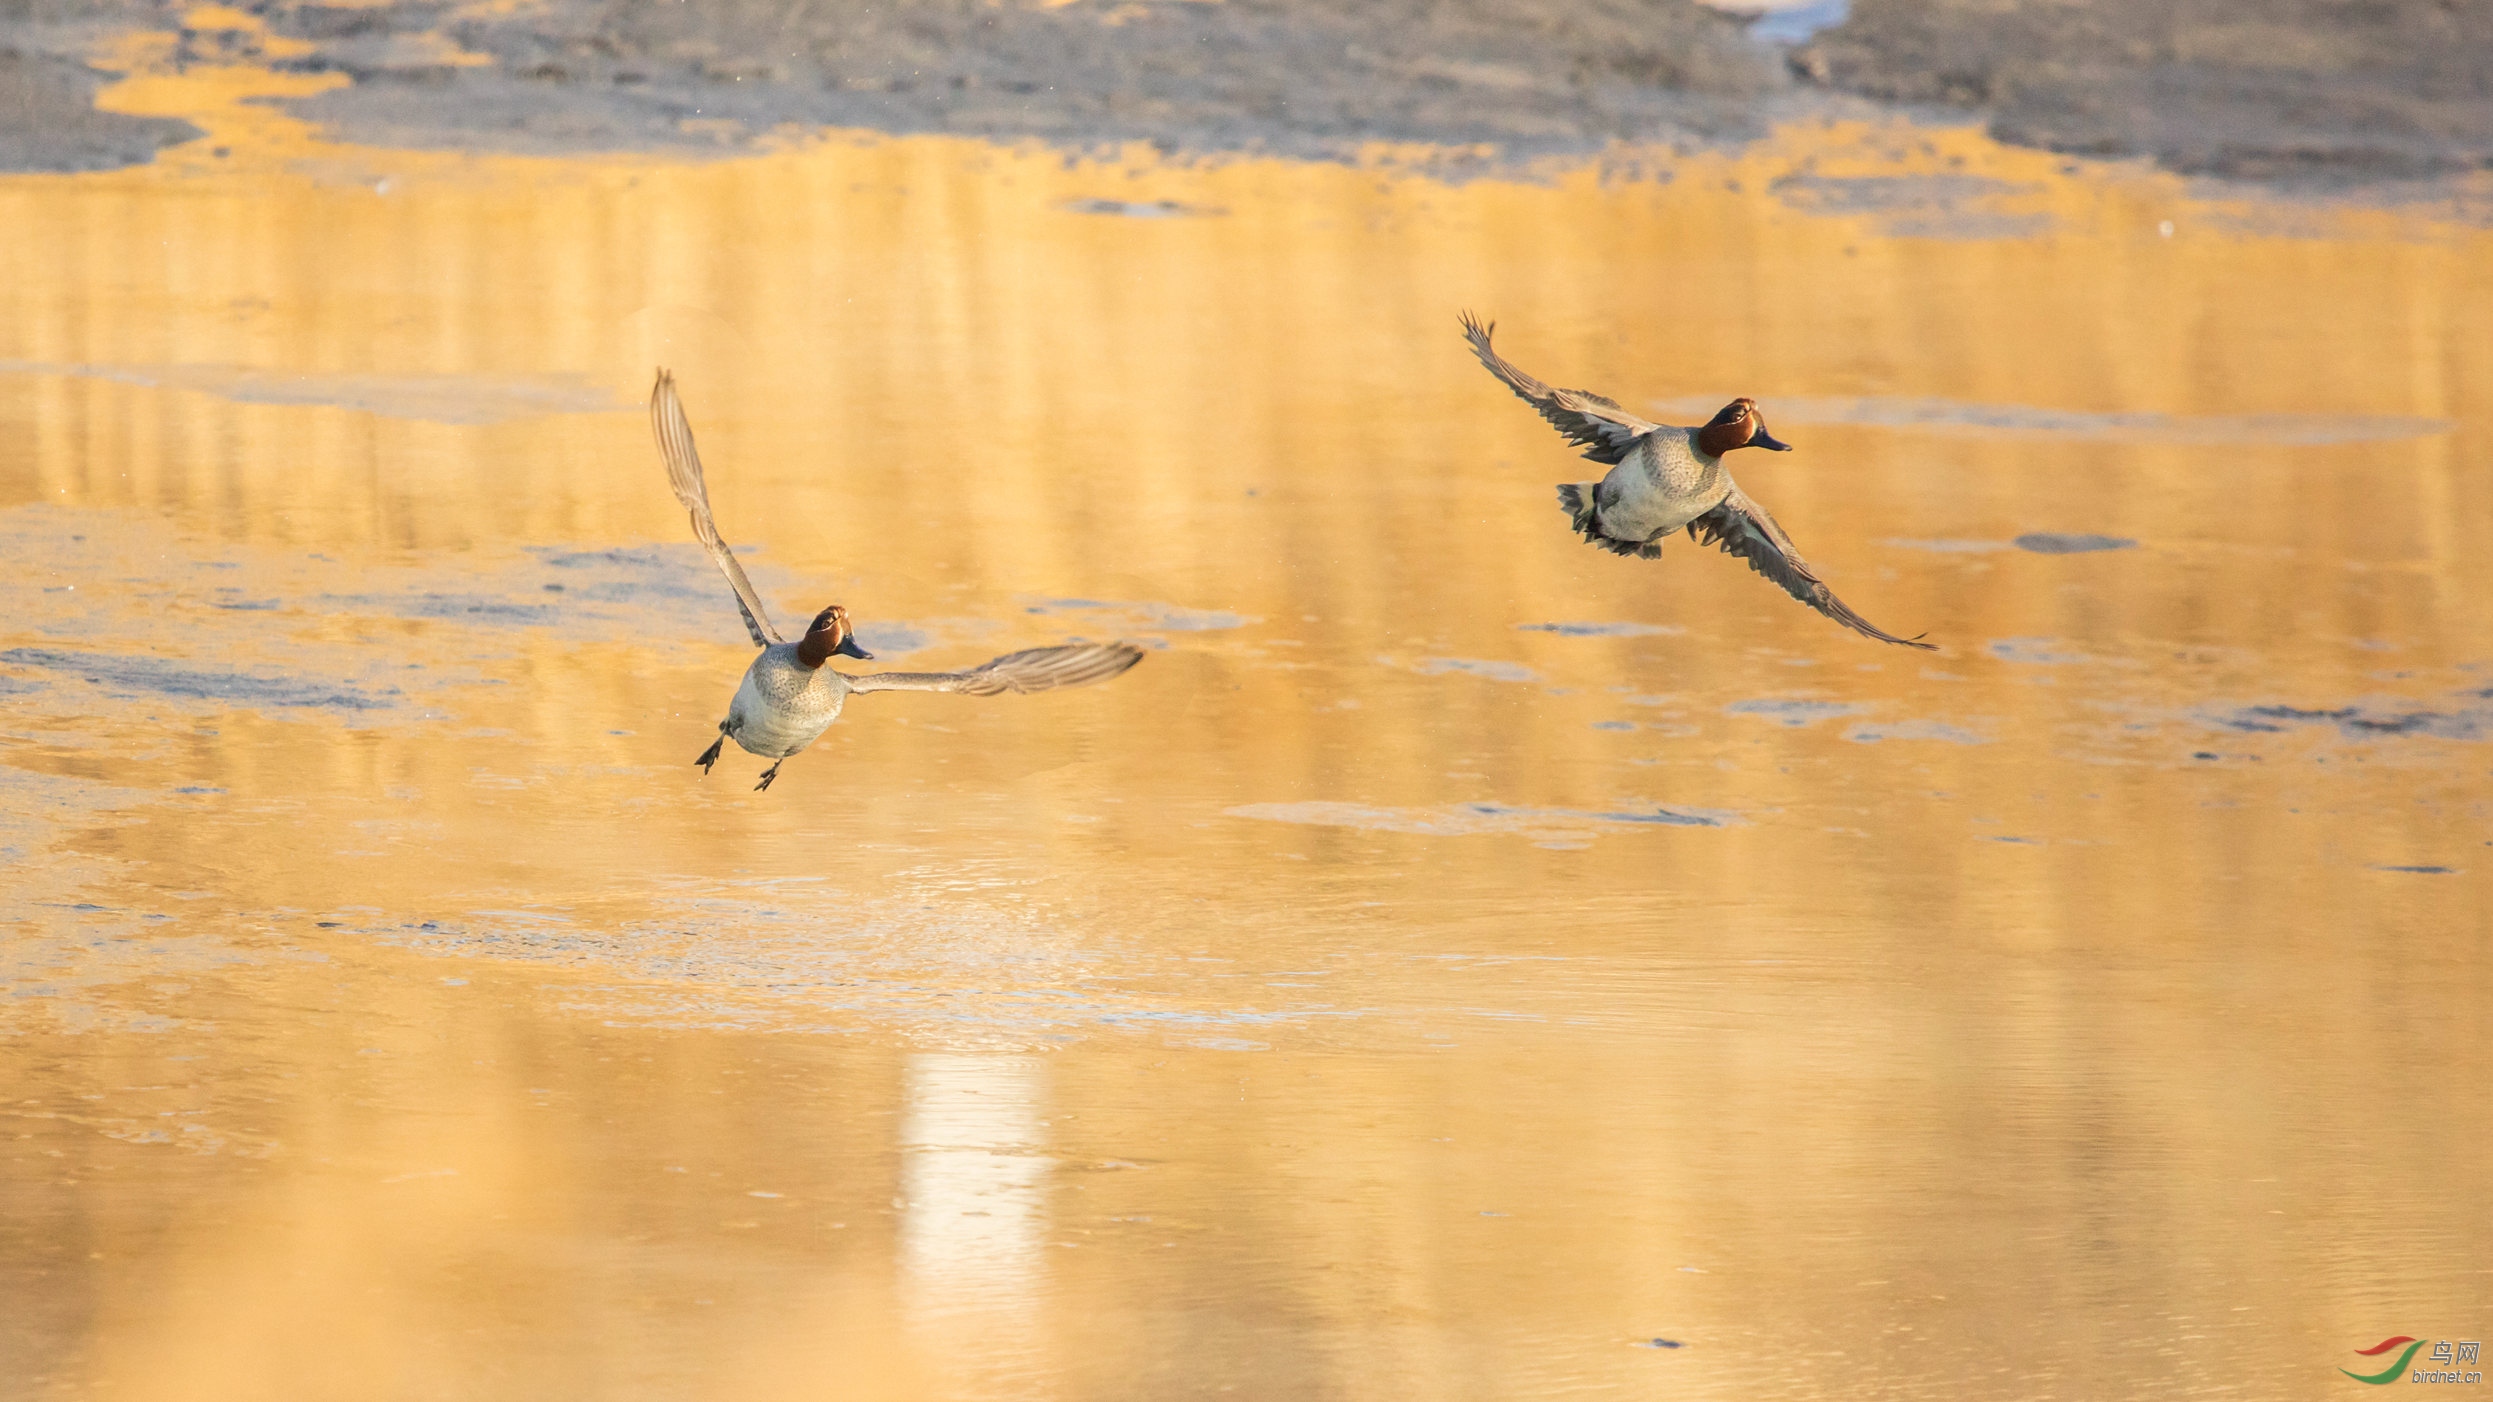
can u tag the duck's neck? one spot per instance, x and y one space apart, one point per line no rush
1714 440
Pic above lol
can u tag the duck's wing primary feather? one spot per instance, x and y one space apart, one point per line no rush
675 443
1597 423
1743 528
1034 669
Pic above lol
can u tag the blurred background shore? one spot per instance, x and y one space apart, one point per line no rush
2313 92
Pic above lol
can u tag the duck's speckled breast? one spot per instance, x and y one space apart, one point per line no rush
782 705
1662 485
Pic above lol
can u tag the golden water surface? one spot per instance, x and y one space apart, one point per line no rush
1380 992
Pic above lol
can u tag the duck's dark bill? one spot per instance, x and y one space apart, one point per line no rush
1763 439
848 648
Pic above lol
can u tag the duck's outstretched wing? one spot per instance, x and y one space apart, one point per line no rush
1035 669
1743 528
1598 423
675 443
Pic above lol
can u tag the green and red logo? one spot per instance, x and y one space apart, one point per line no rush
2391 1373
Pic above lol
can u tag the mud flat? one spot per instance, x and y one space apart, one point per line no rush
2293 91
2296 91
48 119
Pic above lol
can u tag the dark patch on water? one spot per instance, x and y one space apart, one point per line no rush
164 677
1144 209
1939 205
893 639
1668 817
2359 722
2421 871
1475 667
1793 712
626 573
462 608
2041 651
1874 734
2064 543
1598 630
1147 613
676 580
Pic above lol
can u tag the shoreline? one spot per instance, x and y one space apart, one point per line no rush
2307 100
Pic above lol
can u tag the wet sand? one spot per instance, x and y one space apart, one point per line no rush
2305 93
2326 97
1456 964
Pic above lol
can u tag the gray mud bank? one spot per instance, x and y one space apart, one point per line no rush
48 119
2273 90
1283 76
2346 91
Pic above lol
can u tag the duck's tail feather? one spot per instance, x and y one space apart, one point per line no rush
1577 497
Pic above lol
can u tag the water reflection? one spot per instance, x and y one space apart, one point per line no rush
974 1181
1858 1022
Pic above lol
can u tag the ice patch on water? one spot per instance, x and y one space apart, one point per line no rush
2065 543
1599 630
1872 734
1951 547
1146 613
448 399
1794 712
1475 667
2378 719
124 675
1143 209
1475 819
2048 652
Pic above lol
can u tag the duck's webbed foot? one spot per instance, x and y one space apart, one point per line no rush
710 755
769 774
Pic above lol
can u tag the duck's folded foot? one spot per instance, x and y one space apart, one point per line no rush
768 775
710 755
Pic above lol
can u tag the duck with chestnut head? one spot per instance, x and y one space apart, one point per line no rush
1665 478
791 693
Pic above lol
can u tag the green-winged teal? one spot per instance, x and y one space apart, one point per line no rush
789 696
1663 478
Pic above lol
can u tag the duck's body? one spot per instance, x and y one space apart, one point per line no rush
1665 478
790 693
782 705
1664 481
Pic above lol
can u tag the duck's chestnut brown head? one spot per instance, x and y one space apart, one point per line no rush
830 636
1739 425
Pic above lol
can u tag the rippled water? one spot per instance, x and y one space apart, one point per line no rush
1456 963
